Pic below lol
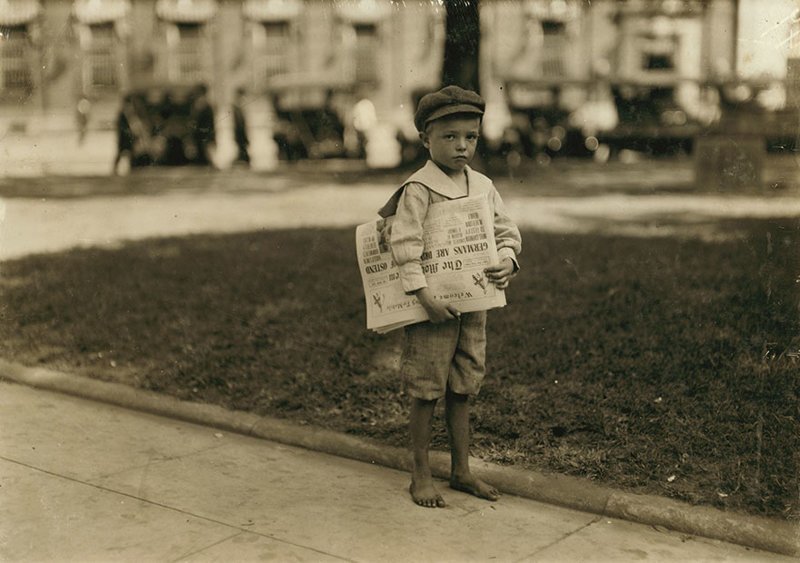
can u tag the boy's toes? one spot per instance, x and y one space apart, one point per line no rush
435 502
427 498
490 492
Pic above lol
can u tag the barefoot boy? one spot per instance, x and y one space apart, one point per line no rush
445 357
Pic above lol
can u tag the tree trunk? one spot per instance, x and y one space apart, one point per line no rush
462 44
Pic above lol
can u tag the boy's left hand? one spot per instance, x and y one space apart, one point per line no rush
500 274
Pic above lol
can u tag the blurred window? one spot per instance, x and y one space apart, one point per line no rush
187 49
554 46
658 53
15 72
658 61
100 60
273 43
366 51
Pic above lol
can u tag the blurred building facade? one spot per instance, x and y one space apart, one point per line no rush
342 78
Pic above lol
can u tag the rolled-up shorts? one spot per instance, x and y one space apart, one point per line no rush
450 354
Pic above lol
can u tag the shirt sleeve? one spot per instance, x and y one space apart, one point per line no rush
506 233
406 237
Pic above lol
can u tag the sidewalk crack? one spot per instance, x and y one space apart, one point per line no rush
562 538
156 460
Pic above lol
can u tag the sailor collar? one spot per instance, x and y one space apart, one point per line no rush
433 178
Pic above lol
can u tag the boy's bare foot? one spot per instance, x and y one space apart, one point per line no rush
474 486
425 494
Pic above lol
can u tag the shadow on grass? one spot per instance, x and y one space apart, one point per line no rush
659 365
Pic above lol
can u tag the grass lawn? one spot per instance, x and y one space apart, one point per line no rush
656 365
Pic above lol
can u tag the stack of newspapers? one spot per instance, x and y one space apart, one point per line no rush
459 245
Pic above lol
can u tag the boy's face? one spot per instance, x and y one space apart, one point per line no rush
451 141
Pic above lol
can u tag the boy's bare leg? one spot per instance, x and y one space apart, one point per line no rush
461 478
422 490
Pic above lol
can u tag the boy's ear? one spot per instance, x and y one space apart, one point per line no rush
423 136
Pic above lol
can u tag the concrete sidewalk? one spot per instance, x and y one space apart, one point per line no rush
85 481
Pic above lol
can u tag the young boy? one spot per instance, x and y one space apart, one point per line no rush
445 357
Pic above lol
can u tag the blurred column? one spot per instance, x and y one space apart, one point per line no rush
272 48
22 83
101 32
226 72
372 25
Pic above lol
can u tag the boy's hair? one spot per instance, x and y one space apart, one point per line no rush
449 101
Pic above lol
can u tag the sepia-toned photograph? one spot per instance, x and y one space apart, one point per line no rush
399 280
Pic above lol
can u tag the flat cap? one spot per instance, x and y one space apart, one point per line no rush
447 101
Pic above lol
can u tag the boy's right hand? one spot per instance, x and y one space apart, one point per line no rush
438 312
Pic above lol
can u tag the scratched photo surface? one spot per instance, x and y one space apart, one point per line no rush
180 187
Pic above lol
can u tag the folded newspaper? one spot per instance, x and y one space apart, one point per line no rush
459 245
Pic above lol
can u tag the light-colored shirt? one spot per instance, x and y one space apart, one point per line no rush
409 207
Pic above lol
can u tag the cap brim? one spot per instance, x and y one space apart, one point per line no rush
450 110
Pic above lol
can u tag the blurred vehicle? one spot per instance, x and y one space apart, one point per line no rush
650 120
314 129
541 124
170 124
540 68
